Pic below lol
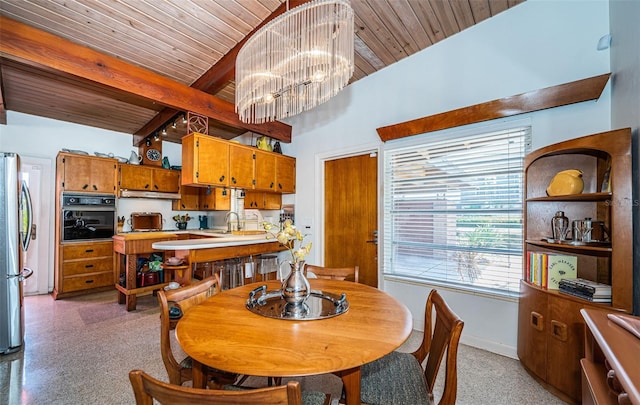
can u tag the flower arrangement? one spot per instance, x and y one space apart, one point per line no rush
182 218
288 235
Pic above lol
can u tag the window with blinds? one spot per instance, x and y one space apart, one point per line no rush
453 210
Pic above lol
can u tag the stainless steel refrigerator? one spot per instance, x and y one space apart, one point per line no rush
15 234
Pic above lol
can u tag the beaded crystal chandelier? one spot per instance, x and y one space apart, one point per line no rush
298 60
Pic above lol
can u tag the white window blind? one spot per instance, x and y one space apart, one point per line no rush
453 210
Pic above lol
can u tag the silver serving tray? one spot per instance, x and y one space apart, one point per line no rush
577 242
319 305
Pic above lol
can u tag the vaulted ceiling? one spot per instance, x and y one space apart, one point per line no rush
170 45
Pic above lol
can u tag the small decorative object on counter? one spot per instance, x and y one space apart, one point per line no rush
566 182
165 163
120 224
295 287
134 159
181 221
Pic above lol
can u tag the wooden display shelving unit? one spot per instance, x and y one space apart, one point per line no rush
550 327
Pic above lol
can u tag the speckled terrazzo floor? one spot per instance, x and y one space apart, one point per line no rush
80 350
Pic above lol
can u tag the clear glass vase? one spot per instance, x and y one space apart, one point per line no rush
295 289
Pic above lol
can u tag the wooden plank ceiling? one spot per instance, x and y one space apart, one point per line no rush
186 41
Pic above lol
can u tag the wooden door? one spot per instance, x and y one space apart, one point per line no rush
351 215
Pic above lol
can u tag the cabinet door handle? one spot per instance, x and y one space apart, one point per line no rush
88 250
559 330
156 187
221 179
146 186
95 188
85 186
537 321
88 266
233 180
89 281
271 185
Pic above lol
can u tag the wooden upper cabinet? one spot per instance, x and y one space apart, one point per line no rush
215 162
265 166
262 200
241 166
145 178
205 161
166 181
87 174
215 199
189 199
285 174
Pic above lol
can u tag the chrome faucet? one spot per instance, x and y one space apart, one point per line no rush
227 219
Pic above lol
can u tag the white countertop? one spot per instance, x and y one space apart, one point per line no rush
213 240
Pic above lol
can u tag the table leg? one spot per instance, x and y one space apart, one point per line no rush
351 381
197 373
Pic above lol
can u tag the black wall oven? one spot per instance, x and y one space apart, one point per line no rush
88 217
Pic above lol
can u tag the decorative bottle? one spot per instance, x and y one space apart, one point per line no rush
559 226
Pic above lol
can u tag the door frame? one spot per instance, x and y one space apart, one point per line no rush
320 159
45 220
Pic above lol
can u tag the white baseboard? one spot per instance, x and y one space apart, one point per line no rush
493 347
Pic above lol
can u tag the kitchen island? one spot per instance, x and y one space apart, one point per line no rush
193 246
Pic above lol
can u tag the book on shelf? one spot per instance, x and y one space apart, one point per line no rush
587 297
586 287
546 269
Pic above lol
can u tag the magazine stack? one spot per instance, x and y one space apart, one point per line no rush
586 289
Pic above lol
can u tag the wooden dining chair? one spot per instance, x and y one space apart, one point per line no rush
398 378
334 273
185 298
147 389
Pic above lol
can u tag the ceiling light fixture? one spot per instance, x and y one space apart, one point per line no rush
298 60
174 125
184 119
164 131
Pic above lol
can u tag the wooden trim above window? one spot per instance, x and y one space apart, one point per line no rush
554 96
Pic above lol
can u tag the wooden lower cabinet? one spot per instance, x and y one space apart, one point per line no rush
551 339
84 267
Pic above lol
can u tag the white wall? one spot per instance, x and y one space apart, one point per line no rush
625 99
534 45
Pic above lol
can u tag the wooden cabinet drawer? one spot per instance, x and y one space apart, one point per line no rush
84 250
88 281
78 267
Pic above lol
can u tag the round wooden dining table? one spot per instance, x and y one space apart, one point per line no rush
222 333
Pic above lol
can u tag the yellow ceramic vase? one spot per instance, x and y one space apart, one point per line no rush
566 182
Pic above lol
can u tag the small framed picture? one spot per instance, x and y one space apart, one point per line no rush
606 180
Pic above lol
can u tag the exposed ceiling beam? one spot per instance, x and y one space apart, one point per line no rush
35 47
549 97
214 79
